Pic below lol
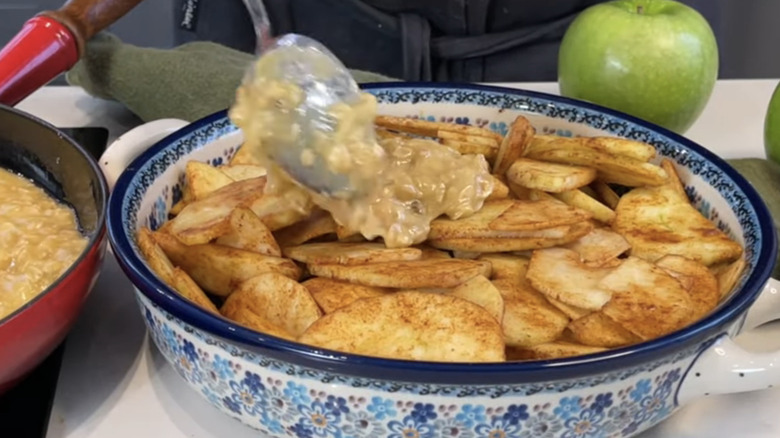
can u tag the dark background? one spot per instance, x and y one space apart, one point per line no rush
747 30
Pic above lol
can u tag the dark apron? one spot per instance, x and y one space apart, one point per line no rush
415 40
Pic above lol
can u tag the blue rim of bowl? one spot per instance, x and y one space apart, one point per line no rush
100 223
335 362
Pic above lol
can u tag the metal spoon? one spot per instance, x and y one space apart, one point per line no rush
261 23
324 81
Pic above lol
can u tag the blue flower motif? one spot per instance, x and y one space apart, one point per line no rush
222 367
360 424
563 133
651 405
429 118
621 415
451 427
157 218
280 407
423 412
704 208
409 428
170 338
189 351
498 428
602 402
568 407
641 390
584 425
159 205
381 408
253 382
197 374
273 424
176 192
231 405
692 194
210 395
297 393
149 318
248 392
663 390
631 428
214 381
515 414
471 414
541 425
462 120
672 377
663 412
301 431
338 405
185 367
319 419
499 127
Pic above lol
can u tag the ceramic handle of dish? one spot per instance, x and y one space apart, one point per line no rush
119 154
726 368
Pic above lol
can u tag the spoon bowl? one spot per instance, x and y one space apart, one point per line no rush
324 82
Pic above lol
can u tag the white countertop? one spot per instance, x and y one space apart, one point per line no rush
113 383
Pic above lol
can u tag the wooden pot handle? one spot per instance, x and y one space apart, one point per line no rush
85 18
52 43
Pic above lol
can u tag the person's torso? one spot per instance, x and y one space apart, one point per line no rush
440 40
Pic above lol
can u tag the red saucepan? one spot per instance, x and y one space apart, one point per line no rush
48 45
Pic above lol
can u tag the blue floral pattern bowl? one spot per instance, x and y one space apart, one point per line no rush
286 389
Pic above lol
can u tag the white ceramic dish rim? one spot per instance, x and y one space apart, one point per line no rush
528 371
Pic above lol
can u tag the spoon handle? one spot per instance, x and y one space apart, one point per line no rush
85 18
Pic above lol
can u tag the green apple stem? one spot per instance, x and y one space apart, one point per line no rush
640 9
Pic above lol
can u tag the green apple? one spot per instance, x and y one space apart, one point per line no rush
772 127
653 59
